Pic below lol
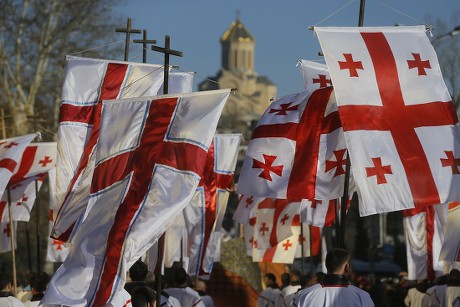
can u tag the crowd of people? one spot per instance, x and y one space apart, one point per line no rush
340 287
178 290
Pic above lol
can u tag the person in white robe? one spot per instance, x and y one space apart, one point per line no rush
186 296
452 294
268 296
335 290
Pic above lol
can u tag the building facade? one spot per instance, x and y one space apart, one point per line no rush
253 92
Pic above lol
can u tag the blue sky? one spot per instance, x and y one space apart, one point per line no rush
280 29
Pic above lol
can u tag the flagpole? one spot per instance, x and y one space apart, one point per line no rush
166 51
312 263
344 202
13 254
301 246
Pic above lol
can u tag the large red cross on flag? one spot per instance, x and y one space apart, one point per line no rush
288 153
424 233
150 155
206 211
398 117
87 83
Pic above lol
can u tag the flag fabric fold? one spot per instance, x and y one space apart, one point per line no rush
87 83
211 203
149 159
389 88
450 250
424 232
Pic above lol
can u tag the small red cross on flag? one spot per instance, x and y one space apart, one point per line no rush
397 115
315 75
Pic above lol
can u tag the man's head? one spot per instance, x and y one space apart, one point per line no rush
143 297
285 279
338 261
138 271
295 277
454 274
269 279
180 277
39 282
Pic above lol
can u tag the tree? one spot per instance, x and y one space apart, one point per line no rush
35 36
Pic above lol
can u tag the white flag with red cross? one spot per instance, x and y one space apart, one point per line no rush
56 251
297 150
424 232
245 206
215 186
450 250
150 155
400 124
283 252
87 83
5 236
310 240
315 75
317 213
274 222
36 161
11 151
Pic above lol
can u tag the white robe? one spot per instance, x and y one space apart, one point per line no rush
268 297
187 297
451 297
334 296
434 295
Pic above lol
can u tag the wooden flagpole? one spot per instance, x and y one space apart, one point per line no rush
128 30
344 201
166 51
37 200
12 237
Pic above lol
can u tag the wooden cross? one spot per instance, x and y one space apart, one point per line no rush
144 41
128 30
166 51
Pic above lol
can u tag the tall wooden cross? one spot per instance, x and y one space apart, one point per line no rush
128 30
144 41
166 51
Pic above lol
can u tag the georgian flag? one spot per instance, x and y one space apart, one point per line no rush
11 151
246 205
424 232
205 213
150 155
274 221
36 161
297 150
315 75
317 212
400 124
87 83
